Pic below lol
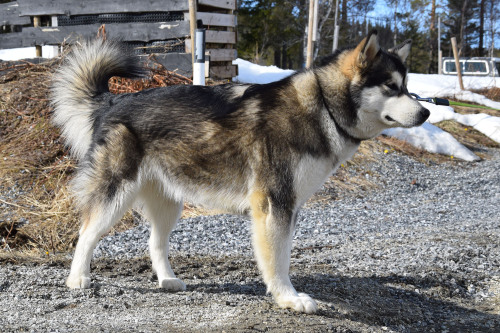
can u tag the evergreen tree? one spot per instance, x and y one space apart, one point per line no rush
271 32
461 23
274 31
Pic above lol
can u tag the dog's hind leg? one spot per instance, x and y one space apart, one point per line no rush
272 241
98 219
106 186
163 214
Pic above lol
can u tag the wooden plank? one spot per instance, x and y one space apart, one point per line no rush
225 37
225 4
143 32
223 54
214 40
9 14
72 7
214 19
223 72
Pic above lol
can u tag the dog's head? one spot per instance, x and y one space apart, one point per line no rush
377 88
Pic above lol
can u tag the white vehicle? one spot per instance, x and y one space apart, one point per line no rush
478 66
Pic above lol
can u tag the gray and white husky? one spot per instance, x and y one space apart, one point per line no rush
258 150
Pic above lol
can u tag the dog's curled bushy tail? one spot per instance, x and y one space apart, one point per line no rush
78 83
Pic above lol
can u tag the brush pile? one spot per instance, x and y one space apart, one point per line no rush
160 77
36 213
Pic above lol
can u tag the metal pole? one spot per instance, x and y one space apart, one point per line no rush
309 57
199 62
337 28
315 21
457 62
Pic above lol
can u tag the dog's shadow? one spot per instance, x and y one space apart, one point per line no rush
401 303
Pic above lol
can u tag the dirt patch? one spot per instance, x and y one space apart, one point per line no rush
226 294
468 136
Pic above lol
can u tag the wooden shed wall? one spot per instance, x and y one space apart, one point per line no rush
217 16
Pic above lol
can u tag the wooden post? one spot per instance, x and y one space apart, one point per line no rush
310 45
440 62
38 48
457 62
192 26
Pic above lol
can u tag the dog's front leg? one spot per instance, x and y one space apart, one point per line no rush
272 241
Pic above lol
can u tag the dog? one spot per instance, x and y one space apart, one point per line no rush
254 149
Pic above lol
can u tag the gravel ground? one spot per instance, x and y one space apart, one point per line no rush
418 254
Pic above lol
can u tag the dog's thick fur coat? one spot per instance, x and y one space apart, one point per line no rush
260 150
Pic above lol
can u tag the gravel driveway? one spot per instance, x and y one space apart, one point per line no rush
421 253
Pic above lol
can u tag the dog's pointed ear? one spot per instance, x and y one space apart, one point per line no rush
359 58
402 50
368 48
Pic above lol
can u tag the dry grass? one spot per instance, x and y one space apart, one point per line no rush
160 77
41 219
470 110
393 144
467 135
490 93
32 159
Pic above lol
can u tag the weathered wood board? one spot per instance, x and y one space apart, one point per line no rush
9 14
71 7
143 32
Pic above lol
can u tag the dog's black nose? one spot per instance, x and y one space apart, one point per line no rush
423 115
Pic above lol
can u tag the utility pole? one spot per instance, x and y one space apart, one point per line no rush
440 53
192 27
311 32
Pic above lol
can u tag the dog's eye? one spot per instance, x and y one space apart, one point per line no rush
392 86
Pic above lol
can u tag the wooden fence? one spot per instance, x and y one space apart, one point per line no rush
155 26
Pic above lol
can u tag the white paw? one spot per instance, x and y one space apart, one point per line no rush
172 284
300 303
78 282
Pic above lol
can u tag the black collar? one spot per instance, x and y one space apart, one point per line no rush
340 129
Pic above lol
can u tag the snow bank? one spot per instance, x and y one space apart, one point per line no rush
252 73
433 139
